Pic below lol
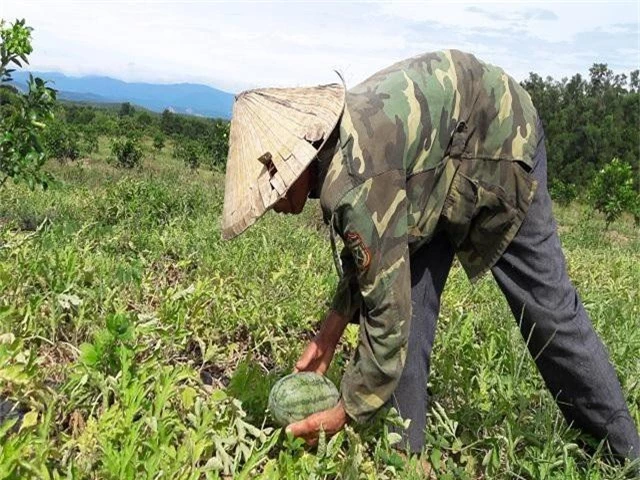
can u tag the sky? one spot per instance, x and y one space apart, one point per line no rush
239 45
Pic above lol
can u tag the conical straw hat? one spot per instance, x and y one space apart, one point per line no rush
270 145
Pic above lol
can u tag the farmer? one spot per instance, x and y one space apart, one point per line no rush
435 156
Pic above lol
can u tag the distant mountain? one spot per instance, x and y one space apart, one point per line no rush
190 98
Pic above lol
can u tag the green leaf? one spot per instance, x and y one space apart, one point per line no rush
188 397
218 395
29 420
435 456
89 354
394 438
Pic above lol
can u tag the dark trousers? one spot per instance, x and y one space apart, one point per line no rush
533 277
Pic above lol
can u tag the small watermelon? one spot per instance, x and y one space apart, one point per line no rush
299 395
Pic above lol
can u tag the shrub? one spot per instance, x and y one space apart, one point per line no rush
62 142
562 192
218 145
190 152
158 142
611 191
127 152
129 127
126 110
90 141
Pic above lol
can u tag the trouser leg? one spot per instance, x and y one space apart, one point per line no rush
429 269
571 358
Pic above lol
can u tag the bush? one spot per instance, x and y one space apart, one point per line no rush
158 142
563 193
612 192
190 152
90 141
127 152
218 145
129 127
62 142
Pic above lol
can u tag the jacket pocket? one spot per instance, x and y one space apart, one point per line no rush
476 212
484 209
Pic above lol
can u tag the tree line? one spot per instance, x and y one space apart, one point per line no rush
588 122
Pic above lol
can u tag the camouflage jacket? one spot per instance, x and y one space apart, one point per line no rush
440 141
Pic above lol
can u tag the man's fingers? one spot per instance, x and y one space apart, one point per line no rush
323 365
305 428
308 355
312 441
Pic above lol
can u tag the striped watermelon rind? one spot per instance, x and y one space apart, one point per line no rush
299 395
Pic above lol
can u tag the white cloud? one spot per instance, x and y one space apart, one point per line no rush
243 45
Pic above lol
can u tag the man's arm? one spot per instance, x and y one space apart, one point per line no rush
347 299
318 354
372 220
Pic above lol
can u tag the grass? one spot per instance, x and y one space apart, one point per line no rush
140 345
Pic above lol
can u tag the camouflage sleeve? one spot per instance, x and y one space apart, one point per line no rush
372 220
347 298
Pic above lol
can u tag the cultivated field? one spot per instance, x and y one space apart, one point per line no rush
131 333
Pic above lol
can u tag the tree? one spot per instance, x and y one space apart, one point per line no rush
168 122
90 142
588 121
62 141
145 119
158 142
21 125
126 110
188 151
127 152
612 191
218 144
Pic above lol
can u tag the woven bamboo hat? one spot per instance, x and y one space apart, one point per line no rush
272 138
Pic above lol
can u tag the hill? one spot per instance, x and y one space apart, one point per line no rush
189 98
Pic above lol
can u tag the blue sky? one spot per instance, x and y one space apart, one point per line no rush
240 45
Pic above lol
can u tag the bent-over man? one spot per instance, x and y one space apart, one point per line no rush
435 156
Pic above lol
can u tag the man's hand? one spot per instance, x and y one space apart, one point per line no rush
331 421
319 353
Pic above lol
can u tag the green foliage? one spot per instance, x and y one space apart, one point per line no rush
612 192
126 110
563 193
90 142
218 145
158 142
131 332
62 141
251 385
145 119
109 346
197 141
189 152
128 126
588 121
21 151
635 210
127 152
146 204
